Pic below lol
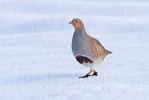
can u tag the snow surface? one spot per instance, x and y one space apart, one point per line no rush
36 61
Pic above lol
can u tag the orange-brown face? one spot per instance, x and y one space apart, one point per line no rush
76 23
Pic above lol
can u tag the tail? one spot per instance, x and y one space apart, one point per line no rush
108 52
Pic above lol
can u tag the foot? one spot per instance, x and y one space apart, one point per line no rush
86 76
95 73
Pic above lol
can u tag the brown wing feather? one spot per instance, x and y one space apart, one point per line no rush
98 49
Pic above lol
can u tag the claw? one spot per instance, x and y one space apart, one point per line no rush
95 74
86 76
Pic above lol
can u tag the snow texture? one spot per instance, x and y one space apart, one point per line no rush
36 61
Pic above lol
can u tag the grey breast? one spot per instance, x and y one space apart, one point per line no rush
81 44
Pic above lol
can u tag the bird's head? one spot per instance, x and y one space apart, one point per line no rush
77 23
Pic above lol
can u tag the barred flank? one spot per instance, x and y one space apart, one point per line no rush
98 50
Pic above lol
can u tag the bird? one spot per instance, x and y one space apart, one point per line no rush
87 50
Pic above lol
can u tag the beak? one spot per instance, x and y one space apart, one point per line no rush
70 22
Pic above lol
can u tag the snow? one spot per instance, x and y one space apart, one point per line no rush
36 61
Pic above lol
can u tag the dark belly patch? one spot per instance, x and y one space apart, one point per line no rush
82 59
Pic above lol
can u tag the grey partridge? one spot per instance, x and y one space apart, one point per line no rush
88 51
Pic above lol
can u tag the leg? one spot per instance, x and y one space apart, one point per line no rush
87 75
95 73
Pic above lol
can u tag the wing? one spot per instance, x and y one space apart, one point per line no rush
98 50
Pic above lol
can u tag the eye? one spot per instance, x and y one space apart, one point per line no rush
76 21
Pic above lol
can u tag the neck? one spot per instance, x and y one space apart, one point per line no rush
80 30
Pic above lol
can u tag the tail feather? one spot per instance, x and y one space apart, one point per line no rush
108 52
